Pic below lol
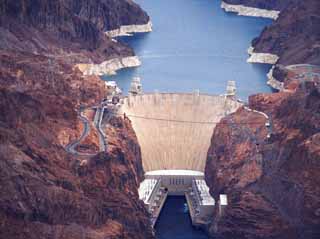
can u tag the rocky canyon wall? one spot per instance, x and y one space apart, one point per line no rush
271 173
46 192
272 183
73 30
293 38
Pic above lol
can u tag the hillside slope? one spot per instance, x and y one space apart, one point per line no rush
272 184
46 192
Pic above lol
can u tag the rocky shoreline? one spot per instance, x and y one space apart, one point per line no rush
243 10
263 58
109 67
288 40
294 37
273 82
266 58
258 57
128 30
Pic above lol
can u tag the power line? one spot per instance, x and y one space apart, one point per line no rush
183 121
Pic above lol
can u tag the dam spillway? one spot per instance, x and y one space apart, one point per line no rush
174 129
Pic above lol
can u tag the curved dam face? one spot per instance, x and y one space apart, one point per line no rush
174 129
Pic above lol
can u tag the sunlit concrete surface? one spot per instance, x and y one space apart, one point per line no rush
154 174
200 203
162 183
176 181
174 129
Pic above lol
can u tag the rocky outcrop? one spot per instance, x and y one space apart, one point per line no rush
46 192
273 82
109 67
73 30
128 30
295 36
262 4
249 11
272 183
270 173
264 58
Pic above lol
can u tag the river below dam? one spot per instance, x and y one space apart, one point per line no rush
195 45
174 221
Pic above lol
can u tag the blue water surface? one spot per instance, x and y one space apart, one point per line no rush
195 45
174 221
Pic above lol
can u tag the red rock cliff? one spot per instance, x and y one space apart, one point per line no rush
295 35
44 191
69 29
272 184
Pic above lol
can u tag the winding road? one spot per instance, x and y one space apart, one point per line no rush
102 136
268 123
70 148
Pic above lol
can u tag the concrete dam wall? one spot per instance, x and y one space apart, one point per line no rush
174 129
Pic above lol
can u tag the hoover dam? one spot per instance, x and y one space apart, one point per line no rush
174 129
174 132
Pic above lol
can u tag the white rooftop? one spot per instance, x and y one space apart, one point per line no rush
136 80
146 189
231 88
178 172
223 199
111 83
203 191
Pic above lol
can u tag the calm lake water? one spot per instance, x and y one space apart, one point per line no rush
195 45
